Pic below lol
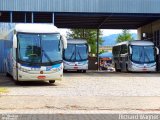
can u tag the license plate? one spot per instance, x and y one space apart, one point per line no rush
75 67
144 69
41 77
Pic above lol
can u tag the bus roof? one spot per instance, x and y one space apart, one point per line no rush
76 41
36 28
136 42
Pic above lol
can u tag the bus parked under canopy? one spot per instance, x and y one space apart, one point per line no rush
136 56
35 53
75 57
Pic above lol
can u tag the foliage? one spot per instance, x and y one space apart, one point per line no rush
102 51
124 36
89 34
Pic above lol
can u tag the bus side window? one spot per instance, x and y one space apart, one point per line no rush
118 50
123 49
115 50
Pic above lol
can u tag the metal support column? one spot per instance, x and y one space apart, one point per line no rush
11 17
25 17
97 49
32 17
83 34
53 19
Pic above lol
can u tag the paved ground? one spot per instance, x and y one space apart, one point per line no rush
85 92
91 84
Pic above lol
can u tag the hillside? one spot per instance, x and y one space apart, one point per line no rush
111 39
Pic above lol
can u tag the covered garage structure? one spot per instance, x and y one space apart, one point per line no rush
143 15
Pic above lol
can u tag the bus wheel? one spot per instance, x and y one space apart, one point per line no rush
8 75
84 71
126 68
18 82
117 70
64 71
51 81
79 71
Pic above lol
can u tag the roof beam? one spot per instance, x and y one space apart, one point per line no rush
105 20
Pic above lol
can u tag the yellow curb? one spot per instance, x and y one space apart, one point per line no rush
3 90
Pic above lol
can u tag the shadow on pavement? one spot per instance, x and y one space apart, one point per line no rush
9 82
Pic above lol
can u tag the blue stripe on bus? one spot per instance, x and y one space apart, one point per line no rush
47 67
30 66
56 66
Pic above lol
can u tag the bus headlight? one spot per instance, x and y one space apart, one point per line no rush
23 69
57 69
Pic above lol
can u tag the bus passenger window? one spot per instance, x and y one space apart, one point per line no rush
123 49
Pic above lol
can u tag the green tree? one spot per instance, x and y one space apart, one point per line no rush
102 51
89 34
124 36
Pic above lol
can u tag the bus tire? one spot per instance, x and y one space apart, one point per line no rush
117 70
115 67
8 75
84 71
18 82
79 71
127 68
64 71
51 81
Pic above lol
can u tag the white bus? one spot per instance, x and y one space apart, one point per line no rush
136 56
35 53
75 57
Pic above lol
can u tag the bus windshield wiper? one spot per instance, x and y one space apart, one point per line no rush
147 56
79 55
48 58
140 56
72 56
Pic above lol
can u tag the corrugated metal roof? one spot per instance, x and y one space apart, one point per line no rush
103 14
103 6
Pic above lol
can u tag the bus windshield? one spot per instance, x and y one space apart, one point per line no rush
76 52
143 54
39 48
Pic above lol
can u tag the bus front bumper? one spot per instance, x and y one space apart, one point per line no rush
78 67
143 69
24 76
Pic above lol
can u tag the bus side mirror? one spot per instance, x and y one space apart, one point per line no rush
157 50
89 48
130 49
64 40
15 41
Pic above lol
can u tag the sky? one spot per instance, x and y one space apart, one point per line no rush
105 32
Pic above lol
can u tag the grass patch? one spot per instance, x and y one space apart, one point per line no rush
3 90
